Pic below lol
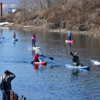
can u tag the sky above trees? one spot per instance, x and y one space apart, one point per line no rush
8 4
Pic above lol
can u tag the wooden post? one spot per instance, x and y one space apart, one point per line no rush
11 95
83 12
16 97
0 9
21 97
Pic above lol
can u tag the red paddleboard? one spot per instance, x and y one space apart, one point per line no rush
40 63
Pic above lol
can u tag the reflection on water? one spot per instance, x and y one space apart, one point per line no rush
75 72
69 48
53 81
33 52
39 67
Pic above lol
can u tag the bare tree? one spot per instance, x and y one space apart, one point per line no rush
71 8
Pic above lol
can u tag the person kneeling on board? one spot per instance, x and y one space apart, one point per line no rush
41 57
76 61
35 57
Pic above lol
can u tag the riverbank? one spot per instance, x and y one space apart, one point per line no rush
93 31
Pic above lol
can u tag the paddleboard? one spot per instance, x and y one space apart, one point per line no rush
77 67
95 62
40 63
68 41
14 39
36 48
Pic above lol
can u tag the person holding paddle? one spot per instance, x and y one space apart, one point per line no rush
39 58
35 57
33 40
76 61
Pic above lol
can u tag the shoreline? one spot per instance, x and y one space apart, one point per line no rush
95 33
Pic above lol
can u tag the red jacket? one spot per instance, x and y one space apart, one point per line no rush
36 56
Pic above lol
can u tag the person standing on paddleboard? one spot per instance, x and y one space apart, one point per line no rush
69 36
14 35
33 40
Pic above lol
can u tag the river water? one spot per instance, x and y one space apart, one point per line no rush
53 81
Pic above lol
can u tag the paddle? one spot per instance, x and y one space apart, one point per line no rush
32 62
50 57
78 61
71 53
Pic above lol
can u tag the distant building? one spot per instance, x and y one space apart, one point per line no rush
0 9
11 10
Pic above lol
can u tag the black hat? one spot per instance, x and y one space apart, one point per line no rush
7 72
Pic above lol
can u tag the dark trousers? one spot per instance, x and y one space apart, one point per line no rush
69 38
6 95
34 61
77 64
33 43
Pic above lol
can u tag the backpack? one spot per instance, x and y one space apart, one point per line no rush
4 86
